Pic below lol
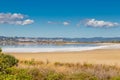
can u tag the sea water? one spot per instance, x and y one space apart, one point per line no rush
49 47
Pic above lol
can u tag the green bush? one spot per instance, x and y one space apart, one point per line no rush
116 78
81 76
7 72
37 74
7 61
54 76
0 50
15 74
22 74
7 77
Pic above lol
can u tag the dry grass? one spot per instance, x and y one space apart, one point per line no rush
72 71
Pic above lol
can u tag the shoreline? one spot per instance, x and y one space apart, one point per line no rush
106 53
62 49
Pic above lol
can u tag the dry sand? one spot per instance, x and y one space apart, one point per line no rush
105 56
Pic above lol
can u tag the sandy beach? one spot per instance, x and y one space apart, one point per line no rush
101 56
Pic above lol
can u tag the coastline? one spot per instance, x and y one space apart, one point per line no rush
62 49
106 53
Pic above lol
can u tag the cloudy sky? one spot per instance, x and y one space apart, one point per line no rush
60 18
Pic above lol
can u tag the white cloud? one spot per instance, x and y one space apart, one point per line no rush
66 23
28 21
99 23
15 18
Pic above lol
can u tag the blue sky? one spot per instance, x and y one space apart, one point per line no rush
60 18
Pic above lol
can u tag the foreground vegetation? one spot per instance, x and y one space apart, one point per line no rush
68 71
11 69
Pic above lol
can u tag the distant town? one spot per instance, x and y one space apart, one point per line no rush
29 40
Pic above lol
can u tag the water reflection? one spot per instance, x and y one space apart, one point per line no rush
45 45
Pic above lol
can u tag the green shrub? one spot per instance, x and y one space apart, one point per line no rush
54 76
0 50
7 61
15 74
22 74
116 78
81 76
31 62
37 74
7 77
